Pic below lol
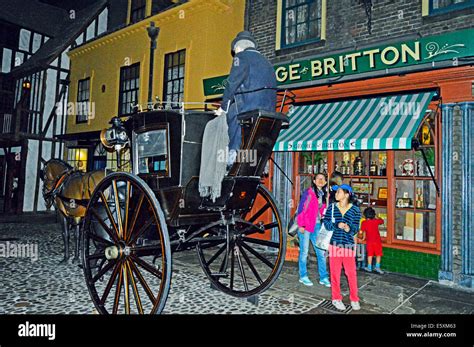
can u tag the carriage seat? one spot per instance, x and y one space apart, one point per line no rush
249 117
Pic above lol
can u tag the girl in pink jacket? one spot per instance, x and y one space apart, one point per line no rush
310 212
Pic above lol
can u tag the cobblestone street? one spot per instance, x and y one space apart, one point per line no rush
42 286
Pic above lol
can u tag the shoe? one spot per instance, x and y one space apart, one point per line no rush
367 269
355 305
325 282
379 271
306 281
339 305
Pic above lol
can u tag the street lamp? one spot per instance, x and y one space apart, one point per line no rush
153 32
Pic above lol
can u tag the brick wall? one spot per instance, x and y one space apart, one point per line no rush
392 20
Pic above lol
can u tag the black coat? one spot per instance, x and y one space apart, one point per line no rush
250 73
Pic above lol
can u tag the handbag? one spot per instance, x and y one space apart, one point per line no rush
324 237
293 224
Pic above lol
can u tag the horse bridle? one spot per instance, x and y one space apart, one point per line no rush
56 185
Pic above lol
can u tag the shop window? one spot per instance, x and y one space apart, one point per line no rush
366 173
432 7
137 10
83 98
406 197
77 158
300 22
129 88
416 194
309 164
173 89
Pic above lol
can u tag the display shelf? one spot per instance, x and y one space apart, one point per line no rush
421 178
417 209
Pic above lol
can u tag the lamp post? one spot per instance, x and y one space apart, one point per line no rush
152 34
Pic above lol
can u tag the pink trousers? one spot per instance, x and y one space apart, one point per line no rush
339 257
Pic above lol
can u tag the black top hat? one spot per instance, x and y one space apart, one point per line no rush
243 35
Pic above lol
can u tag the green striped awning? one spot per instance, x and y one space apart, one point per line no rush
377 123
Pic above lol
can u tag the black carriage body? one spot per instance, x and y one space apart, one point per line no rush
176 184
134 221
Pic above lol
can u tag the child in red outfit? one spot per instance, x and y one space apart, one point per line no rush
370 227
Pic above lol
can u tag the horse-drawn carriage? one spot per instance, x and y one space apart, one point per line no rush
135 220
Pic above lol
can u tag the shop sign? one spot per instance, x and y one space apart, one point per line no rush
451 46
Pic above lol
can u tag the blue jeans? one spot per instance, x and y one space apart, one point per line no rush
321 255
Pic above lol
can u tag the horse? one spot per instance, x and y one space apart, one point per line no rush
70 191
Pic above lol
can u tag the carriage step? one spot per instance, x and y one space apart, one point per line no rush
219 274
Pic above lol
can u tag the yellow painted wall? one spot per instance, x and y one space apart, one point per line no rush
205 28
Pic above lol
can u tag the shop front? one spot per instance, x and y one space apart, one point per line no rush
394 119
387 148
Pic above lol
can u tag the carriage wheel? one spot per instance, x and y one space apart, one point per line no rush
249 260
120 270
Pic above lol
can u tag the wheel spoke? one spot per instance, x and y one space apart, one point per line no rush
99 266
95 256
126 292
251 229
214 257
145 286
99 239
136 294
135 216
103 271
118 290
258 255
226 256
271 225
232 264
272 244
259 213
252 268
110 284
117 208
141 230
109 214
151 269
107 229
242 271
127 206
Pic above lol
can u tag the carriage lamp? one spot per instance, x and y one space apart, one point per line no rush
115 137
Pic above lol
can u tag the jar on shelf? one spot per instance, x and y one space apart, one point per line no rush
358 166
373 168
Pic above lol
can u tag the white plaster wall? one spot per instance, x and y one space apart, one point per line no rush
30 177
